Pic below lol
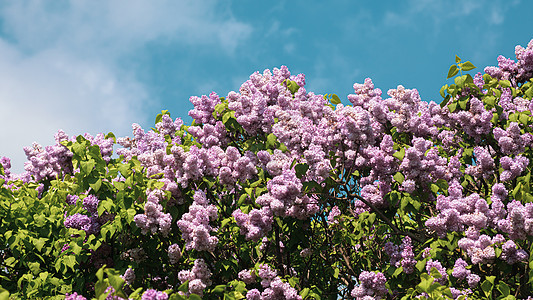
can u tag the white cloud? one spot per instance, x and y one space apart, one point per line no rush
59 62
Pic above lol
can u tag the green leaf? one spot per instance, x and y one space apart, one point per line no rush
467 66
301 169
425 282
87 166
34 267
523 118
336 273
487 285
39 243
443 90
504 288
184 287
445 101
335 99
194 297
96 185
529 92
460 80
111 135
420 265
4 294
399 154
452 107
452 71
399 177
271 140
457 59
219 288
505 83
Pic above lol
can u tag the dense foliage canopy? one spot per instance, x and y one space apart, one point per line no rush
274 192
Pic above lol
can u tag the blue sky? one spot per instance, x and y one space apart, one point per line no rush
98 66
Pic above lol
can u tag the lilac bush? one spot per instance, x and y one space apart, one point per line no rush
275 192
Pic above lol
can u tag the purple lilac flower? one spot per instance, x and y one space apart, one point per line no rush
195 227
253 294
248 276
254 225
335 211
129 276
408 261
74 296
153 219
72 199
437 265
511 254
90 204
370 284
198 277
152 294
82 222
174 253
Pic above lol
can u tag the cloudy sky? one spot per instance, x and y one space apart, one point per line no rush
99 66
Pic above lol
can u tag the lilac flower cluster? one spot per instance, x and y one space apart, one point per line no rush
74 296
6 166
153 219
442 270
88 223
195 227
255 104
129 276
401 255
409 114
513 167
333 213
247 276
475 122
210 135
484 164
274 288
460 272
152 294
254 225
480 248
420 162
375 192
511 141
198 277
282 192
174 253
72 199
511 255
203 109
516 72
50 161
371 284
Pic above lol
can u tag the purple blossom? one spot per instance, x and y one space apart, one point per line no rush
437 265
153 219
174 253
335 211
254 225
195 227
370 284
152 294
74 296
72 199
248 276
198 277
129 276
